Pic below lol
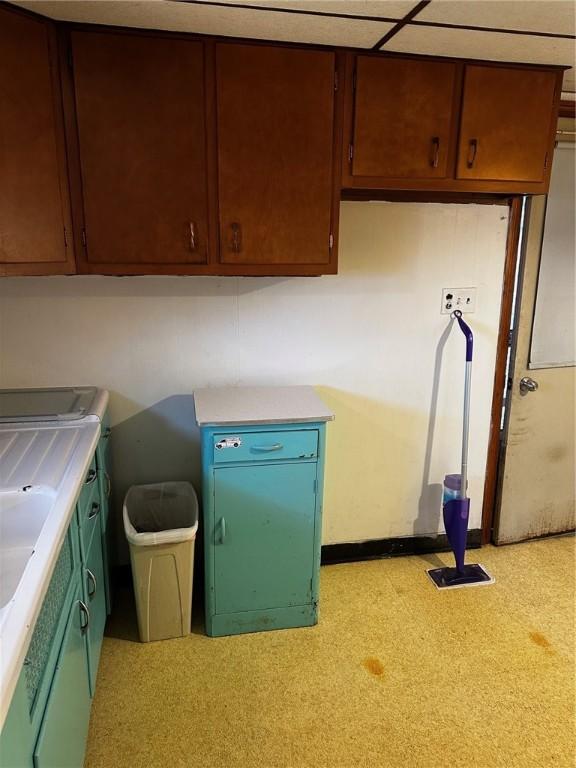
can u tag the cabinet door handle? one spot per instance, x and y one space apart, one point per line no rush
236 237
268 448
90 477
108 485
435 152
91 583
193 243
222 530
472 152
94 509
86 614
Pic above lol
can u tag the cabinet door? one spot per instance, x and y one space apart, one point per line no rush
507 123
62 739
35 229
141 125
95 599
403 118
275 112
263 536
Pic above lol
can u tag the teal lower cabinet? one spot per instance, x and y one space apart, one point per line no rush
47 723
262 526
62 739
103 469
94 596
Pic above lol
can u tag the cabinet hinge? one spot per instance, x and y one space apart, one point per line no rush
331 241
84 238
336 80
65 238
350 152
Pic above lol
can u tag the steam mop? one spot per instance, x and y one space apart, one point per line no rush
456 505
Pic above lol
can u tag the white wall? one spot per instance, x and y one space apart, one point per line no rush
368 338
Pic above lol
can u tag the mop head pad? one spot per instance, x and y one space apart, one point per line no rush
474 575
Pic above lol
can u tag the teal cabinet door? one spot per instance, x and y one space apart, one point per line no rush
95 599
17 738
62 739
263 528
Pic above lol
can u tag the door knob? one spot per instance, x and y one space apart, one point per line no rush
527 385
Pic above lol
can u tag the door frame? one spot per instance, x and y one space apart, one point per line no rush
499 382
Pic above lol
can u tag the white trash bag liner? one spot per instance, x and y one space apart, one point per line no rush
160 513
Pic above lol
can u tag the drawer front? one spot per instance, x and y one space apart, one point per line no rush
234 447
89 511
90 481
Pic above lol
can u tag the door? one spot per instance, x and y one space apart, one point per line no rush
95 599
62 739
538 462
35 228
403 118
141 126
264 536
506 124
275 113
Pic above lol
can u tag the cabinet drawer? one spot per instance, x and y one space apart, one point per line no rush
265 446
89 508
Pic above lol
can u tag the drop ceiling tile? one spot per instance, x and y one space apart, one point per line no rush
216 20
531 15
493 46
391 9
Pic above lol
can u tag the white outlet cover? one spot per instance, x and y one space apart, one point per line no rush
463 299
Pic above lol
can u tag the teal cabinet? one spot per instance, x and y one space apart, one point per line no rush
62 739
48 718
262 492
95 599
17 737
104 485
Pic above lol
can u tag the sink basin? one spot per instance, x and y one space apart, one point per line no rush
22 516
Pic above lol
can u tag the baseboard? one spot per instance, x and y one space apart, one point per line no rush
373 549
402 545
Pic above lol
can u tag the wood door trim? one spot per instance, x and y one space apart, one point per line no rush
493 457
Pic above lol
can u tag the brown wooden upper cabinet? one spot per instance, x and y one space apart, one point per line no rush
404 121
507 124
35 223
142 151
278 202
446 125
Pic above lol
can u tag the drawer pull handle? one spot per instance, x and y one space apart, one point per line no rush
268 448
94 509
90 477
472 152
86 614
91 583
236 237
192 230
435 152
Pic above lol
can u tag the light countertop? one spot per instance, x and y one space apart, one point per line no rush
236 406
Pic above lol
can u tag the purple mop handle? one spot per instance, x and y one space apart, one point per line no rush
467 332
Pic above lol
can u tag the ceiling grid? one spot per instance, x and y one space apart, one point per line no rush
526 31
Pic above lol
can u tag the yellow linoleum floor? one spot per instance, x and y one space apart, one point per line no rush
396 675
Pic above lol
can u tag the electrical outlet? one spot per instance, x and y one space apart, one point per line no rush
463 299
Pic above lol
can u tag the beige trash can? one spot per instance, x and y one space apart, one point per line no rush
160 522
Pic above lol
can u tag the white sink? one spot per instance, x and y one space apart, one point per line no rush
22 516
